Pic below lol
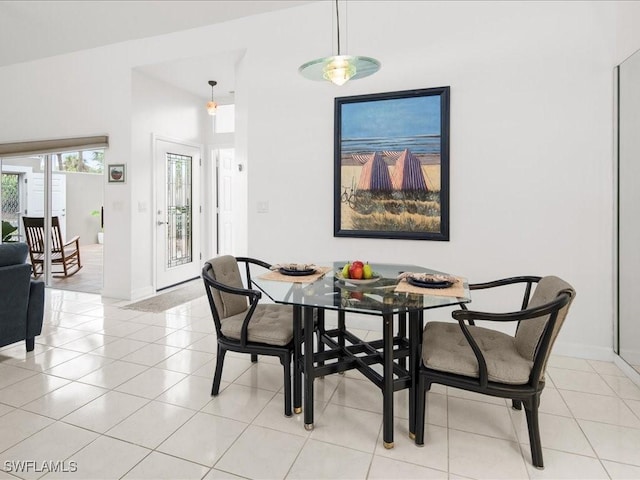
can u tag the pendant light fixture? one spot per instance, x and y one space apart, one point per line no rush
212 106
338 69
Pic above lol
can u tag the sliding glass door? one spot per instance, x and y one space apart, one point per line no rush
53 202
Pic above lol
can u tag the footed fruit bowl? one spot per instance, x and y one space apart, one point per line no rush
354 281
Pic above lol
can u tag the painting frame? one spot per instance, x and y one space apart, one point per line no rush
116 173
383 199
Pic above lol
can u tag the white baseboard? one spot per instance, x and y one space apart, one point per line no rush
588 352
628 370
141 293
630 356
115 294
137 294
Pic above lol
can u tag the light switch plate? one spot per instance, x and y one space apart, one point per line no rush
263 206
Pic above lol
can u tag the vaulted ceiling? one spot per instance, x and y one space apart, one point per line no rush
30 30
36 29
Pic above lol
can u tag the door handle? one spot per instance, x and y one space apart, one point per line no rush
162 223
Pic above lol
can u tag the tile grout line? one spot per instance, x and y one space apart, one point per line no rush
210 469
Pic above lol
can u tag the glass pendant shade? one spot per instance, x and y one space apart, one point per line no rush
338 69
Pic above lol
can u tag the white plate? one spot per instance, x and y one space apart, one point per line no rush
354 281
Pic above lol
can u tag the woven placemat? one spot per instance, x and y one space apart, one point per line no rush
279 277
456 290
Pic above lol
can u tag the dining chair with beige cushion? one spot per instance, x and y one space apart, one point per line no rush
242 323
482 360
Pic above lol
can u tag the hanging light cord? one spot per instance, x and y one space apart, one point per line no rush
338 25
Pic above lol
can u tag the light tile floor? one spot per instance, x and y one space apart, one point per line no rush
114 393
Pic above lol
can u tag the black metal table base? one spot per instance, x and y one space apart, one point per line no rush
339 350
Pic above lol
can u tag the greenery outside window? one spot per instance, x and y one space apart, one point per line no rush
85 161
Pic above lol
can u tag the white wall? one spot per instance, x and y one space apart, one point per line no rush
162 110
531 177
627 31
531 164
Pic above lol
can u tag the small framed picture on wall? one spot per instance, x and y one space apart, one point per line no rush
116 173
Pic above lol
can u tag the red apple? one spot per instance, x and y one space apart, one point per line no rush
356 273
352 267
358 263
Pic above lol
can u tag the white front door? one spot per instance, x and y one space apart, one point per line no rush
177 212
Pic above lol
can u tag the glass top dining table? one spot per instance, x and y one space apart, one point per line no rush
338 349
330 291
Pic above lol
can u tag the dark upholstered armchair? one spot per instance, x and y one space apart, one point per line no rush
494 363
242 323
21 299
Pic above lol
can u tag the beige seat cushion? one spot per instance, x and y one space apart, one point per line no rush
270 324
445 348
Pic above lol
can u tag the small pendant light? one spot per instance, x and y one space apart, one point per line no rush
212 106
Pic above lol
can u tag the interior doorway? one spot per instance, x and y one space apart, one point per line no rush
226 178
225 161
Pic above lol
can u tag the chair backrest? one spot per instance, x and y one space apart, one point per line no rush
224 270
13 254
530 332
34 231
15 283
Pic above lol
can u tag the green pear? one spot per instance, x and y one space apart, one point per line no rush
367 272
345 270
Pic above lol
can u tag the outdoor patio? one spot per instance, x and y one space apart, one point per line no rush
89 278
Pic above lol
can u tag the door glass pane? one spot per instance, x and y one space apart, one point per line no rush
179 210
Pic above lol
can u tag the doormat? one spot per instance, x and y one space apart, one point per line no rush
167 300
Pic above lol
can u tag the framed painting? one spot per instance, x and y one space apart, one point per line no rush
391 166
116 173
